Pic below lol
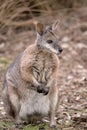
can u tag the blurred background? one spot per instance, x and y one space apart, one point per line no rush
17 31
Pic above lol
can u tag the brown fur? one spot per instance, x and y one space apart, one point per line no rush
33 68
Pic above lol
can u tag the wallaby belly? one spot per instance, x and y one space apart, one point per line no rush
34 103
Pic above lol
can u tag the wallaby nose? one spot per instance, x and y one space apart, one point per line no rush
60 50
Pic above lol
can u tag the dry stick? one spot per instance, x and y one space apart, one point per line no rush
25 23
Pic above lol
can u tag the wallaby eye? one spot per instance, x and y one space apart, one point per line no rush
49 41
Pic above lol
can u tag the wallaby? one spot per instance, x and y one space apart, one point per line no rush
30 84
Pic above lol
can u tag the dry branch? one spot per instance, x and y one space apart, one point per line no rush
19 12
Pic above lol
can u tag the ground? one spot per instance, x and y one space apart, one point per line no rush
72 80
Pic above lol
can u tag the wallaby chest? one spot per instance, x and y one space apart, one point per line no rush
43 67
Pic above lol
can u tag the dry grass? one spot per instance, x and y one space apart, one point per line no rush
15 13
12 12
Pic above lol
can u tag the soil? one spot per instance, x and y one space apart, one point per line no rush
72 79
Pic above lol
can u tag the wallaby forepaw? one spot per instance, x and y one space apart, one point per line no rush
42 89
39 89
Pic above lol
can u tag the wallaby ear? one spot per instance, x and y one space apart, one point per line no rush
40 29
52 27
55 25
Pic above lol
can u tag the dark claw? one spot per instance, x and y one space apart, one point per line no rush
39 89
42 89
45 91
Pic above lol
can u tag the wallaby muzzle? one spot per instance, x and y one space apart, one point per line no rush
60 50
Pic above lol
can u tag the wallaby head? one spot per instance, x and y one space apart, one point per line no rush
44 42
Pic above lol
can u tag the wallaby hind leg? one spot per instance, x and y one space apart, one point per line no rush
7 104
11 101
15 100
53 106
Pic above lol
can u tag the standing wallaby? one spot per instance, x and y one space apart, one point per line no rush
30 84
